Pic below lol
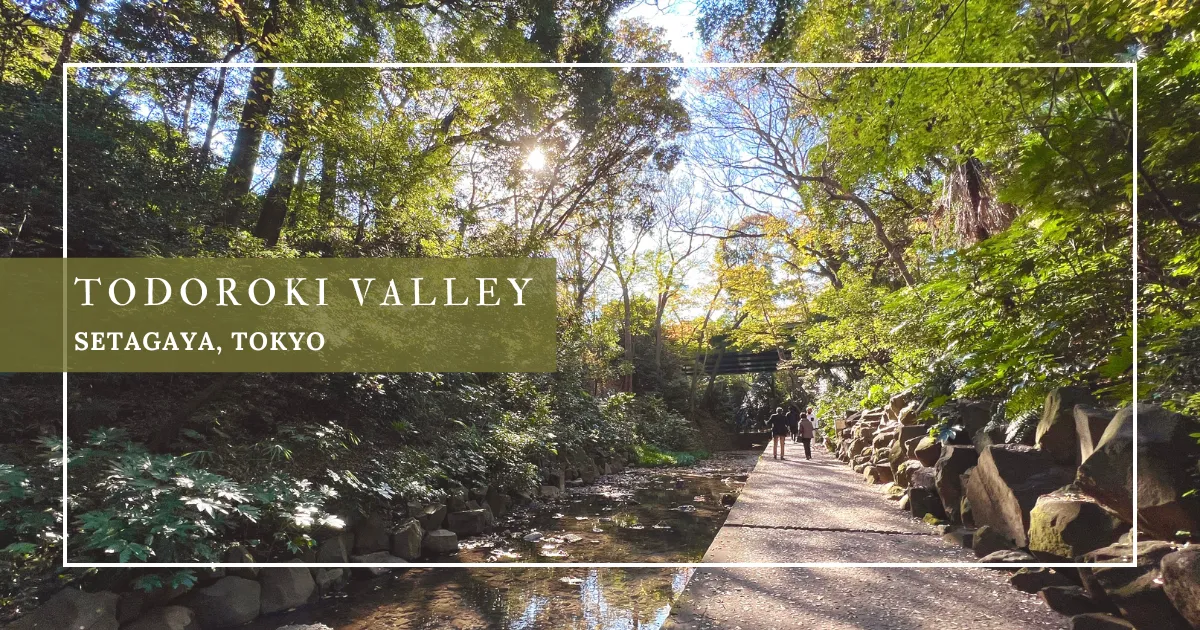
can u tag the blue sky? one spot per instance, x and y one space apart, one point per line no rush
677 18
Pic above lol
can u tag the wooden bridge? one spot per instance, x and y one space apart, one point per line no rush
730 362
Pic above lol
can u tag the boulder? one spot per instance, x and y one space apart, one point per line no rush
1181 582
1069 600
232 601
371 535
1008 556
166 618
922 495
1090 423
1099 621
440 542
964 511
987 540
928 450
970 416
904 473
549 492
898 452
1066 524
432 516
883 441
878 474
1033 580
910 414
1135 591
328 580
1056 433
74 609
285 588
1023 429
947 475
960 537
1166 455
457 501
498 501
470 522
376 564
336 549
1006 484
910 447
895 404
241 555
406 540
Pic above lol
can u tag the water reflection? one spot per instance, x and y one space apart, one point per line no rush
612 521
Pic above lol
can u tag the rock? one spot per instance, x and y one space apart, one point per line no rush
498 502
1066 524
1181 582
1090 423
432 516
406 540
910 447
971 415
960 537
896 403
1023 429
285 588
375 564
549 492
1056 433
928 450
965 514
166 618
1099 621
904 503
232 601
441 542
878 474
910 414
1033 580
1007 482
947 477
1166 454
305 626
457 501
1135 591
328 580
371 535
988 540
898 453
728 499
922 495
241 555
904 473
336 549
74 609
1069 600
1008 556
470 522
990 434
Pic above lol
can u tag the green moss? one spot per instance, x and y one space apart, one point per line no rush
650 455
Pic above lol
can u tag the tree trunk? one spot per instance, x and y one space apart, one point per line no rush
240 172
658 341
627 380
325 197
78 17
275 203
301 190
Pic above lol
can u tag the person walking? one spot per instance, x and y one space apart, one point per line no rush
779 432
793 418
806 432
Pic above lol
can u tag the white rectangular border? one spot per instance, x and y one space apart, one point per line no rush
610 565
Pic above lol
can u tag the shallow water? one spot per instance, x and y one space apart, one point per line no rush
633 516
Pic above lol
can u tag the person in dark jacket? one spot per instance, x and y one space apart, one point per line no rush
779 432
793 418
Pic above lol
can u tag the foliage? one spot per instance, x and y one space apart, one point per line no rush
651 456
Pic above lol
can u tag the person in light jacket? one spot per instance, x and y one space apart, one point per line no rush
806 432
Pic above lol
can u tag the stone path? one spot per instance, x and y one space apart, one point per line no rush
821 511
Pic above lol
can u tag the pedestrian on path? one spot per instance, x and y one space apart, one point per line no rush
779 432
806 432
793 418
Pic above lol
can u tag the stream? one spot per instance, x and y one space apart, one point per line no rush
640 515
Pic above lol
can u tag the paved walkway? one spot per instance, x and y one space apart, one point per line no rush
821 511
